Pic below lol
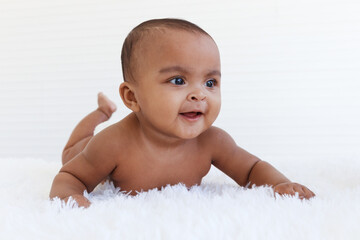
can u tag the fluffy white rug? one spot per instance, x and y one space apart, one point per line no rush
218 209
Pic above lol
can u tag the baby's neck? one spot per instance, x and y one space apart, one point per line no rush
156 139
160 140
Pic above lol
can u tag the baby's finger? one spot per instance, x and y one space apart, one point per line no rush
300 191
308 193
285 191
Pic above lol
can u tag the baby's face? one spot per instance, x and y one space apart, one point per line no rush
178 83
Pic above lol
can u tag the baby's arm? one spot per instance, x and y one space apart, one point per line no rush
83 172
262 173
246 168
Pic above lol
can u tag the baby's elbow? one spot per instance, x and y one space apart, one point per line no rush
66 184
248 182
55 187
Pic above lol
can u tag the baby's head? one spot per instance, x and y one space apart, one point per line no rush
172 74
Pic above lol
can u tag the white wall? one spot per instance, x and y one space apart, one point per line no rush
291 71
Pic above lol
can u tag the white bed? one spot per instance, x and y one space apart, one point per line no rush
217 209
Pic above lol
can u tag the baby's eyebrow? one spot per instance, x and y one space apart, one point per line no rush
173 69
214 72
183 70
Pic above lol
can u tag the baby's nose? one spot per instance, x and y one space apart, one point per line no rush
196 95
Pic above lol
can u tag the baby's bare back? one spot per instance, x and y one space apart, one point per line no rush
134 163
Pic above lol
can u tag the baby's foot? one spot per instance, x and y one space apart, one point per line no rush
106 105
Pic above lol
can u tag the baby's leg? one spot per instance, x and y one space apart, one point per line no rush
84 131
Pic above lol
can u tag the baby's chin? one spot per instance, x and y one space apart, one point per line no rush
191 134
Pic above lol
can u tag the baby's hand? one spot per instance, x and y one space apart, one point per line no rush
291 188
80 199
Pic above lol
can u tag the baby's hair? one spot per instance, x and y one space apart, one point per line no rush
138 33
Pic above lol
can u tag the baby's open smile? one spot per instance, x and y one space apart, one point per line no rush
194 113
192 116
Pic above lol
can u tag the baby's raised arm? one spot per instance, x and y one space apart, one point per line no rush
83 172
245 168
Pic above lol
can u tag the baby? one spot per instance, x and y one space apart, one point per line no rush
172 79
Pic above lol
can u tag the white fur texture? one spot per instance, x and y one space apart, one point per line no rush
218 209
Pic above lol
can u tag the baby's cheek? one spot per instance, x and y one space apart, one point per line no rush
215 109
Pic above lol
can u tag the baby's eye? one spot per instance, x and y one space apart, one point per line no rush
177 81
210 83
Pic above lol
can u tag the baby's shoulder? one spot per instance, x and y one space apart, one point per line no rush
110 140
218 143
215 135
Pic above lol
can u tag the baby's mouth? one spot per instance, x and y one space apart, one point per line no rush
192 115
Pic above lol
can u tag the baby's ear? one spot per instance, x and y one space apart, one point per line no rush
128 96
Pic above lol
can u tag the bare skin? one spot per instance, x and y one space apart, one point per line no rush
168 138
84 131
